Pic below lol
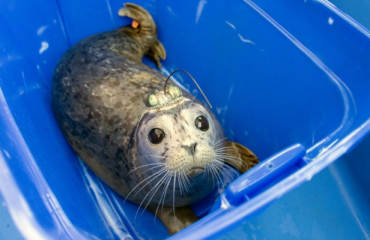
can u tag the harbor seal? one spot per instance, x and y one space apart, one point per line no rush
153 146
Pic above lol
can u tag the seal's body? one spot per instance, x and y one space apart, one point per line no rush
151 146
100 89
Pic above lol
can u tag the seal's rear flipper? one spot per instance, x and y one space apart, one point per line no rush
157 51
147 25
147 28
246 158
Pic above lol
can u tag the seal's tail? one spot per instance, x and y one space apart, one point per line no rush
147 28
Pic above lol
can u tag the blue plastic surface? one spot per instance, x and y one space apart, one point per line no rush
333 205
275 83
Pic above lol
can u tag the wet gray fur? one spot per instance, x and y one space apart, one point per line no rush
99 95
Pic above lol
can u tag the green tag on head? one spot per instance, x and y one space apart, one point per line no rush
153 100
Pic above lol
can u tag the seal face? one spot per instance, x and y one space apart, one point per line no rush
151 146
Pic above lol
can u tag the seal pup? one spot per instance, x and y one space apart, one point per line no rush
152 146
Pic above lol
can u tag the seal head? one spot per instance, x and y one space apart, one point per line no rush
178 138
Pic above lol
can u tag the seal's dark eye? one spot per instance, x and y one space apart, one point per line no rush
156 135
201 123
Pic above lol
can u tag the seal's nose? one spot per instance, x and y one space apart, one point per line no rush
192 149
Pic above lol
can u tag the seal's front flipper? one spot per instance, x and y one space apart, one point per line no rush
157 51
243 158
175 219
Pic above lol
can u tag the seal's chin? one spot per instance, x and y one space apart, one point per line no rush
194 171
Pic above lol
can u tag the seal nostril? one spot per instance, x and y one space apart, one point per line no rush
193 148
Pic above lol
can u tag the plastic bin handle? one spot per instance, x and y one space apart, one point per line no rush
263 175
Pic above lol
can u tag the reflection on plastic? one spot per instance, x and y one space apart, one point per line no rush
18 207
348 101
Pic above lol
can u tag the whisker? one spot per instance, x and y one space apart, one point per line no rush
173 201
227 155
218 142
212 176
228 178
141 174
232 169
168 184
215 168
217 176
224 148
163 180
223 159
146 166
160 172
225 165
232 178
231 160
153 175
186 181
232 164
182 182
155 187
168 180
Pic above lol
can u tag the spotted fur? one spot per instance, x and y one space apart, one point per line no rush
98 97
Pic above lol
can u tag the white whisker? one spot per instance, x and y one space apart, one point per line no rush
163 180
162 164
218 142
225 165
216 170
151 176
208 171
186 181
163 195
216 175
156 186
141 174
173 201
224 148
231 160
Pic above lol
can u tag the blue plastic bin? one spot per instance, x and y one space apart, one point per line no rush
288 79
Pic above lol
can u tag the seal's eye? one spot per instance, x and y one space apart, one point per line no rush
156 135
201 123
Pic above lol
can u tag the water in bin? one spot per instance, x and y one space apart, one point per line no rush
292 91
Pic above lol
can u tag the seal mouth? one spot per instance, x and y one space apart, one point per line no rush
196 171
196 168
